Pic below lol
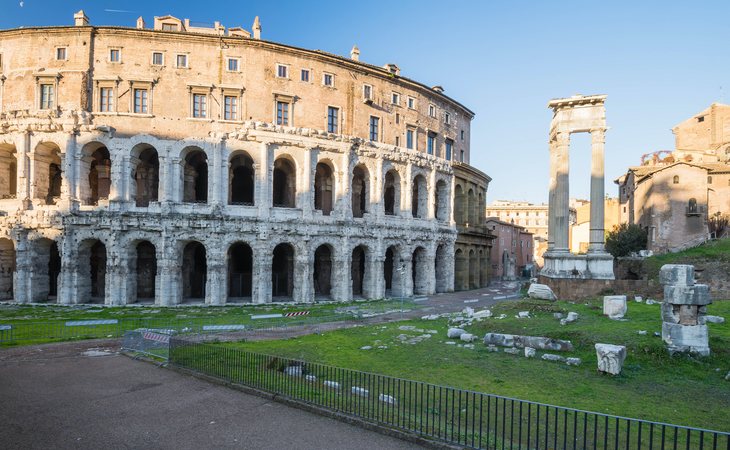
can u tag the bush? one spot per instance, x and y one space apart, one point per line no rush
624 239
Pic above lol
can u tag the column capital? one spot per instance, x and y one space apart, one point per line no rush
598 135
562 138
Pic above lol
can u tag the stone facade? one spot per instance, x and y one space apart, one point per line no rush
183 164
672 194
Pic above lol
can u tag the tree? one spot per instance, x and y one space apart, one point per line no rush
624 239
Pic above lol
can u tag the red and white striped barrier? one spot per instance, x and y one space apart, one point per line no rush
297 313
150 336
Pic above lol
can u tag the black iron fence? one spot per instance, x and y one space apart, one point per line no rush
454 416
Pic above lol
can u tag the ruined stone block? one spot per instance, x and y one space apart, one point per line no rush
686 338
610 358
699 294
614 306
541 291
677 274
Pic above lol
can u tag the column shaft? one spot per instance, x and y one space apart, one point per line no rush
561 199
597 192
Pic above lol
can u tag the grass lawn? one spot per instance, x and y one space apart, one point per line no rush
717 251
681 390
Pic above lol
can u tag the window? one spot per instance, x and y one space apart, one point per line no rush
157 59
431 111
430 144
447 118
395 98
374 125
397 118
169 27
332 115
409 138
701 119
200 106
106 99
397 141
675 180
462 135
282 113
47 96
230 107
411 103
709 180
328 80
461 156
233 64
449 148
367 92
305 75
140 101
182 61
282 71
61 53
115 55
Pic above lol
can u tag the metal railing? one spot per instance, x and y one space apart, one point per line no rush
446 414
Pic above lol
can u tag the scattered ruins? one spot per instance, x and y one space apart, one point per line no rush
684 310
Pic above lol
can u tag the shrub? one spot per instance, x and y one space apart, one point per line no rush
624 239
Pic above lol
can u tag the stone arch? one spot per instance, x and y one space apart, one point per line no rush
8 171
7 268
393 271
358 272
48 172
144 270
420 271
391 193
471 208
284 183
461 271
46 268
92 265
240 272
323 273
360 190
241 179
145 175
441 268
459 206
473 270
194 271
324 188
195 175
419 199
95 176
441 201
282 272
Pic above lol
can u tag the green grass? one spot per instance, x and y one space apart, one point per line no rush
35 324
683 390
717 251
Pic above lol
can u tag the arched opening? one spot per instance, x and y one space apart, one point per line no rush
391 193
360 191
46 267
146 270
459 206
481 209
393 272
324 183
48 174
461 271
282 272
420 272
285 184
240 272
441 201
8 171
322 273
357 271
146 175
7 268
471 210
91 280
194 271
483 268
241 180
419 200
195 177
54 270
100 166
440 268
473 270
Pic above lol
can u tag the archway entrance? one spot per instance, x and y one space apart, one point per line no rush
240 270
420 272
195 271
322 274
285 184
323 189
146 271
241 181
282 273
146 177
357 270
195 177
7 268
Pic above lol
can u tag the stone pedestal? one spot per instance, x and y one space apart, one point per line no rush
683 310
610 358
614 306
595 266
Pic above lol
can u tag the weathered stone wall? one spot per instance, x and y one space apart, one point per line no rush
577 289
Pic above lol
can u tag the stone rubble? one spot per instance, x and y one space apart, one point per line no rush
610 358
684 310
572 317
530 352
551 357
573 361
541 291
614 306
454 333
537 342
362 392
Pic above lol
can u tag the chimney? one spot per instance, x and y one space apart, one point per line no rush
80 19
355 53
256 28
140 23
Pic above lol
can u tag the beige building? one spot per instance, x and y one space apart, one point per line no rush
580 229
672 194
179 164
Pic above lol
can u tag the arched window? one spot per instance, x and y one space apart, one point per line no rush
675 180
195 177
360 191
692 206
285 184
241 180
323 189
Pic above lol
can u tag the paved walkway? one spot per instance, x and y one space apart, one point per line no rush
60 396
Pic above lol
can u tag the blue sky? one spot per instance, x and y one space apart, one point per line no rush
659 63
